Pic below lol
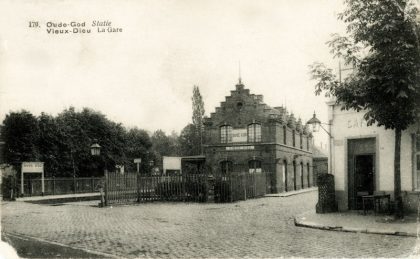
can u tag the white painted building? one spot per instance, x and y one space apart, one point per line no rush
363 159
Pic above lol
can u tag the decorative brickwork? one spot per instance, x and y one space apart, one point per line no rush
258 133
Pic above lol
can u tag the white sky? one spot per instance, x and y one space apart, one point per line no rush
144 76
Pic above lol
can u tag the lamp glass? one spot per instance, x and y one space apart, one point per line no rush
95 149
315 127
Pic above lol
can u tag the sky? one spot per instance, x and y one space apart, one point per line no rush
143 76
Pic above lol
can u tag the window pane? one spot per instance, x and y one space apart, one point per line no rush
254 166
257 133
223 134
251 133
229 134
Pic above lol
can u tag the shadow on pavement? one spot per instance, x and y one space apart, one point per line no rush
32 248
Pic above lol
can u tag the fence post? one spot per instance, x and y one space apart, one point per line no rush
244 182
230 188
106 188
92 184
53 185
31 186
138 185
74 184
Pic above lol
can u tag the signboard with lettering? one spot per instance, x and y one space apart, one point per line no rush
235 148
239 135
32 167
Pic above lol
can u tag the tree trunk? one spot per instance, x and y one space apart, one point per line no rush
399 209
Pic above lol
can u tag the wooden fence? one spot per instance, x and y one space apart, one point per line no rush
239 186
132 187
56 186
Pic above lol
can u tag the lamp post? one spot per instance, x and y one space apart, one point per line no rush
95 150
315 123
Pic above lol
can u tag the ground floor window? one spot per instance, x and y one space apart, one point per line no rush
308 174
301 175
254 166
226 167
284 172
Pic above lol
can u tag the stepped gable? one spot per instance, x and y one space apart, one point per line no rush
242 107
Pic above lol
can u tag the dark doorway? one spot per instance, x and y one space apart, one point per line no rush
361 170
364 173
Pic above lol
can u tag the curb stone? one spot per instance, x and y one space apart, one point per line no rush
352 230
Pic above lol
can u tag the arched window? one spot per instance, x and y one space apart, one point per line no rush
225 134
284 134
294 138
309 175
307 143
226 167
254 166
301 176
284 171
254 132
301 141
294 175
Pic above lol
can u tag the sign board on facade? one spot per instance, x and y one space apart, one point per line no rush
234 148
239 135
32 167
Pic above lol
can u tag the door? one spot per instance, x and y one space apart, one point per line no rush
361 169
364 173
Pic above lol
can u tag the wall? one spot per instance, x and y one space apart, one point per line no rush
351 125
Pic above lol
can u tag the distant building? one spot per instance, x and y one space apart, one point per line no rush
320 163
246 135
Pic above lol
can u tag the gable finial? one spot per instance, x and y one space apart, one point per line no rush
240 80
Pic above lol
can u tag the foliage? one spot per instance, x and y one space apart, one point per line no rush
188 141
384 48
197 120
164 145
20 131
138 145
63 142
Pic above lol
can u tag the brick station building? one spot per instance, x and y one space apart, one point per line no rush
246 135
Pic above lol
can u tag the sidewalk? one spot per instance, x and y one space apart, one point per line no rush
354 221
291 193
61 198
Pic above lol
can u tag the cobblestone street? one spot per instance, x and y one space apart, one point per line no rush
254 228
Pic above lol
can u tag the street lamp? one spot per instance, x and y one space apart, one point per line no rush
95 150
315 123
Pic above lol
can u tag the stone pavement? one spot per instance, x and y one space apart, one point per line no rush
354 221
255 228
